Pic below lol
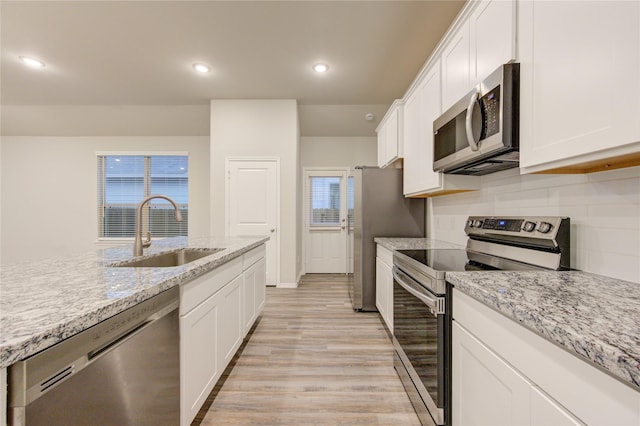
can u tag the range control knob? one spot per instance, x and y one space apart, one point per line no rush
544 227
529 226
477 223
470 223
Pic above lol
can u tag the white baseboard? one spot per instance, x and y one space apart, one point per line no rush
287 285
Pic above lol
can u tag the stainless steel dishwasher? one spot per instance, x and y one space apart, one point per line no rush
124 370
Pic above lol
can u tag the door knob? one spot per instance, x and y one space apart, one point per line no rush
273 229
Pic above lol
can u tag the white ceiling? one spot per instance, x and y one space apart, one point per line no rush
141 52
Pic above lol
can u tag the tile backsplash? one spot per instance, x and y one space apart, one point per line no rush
604 209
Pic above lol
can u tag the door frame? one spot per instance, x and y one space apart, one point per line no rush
305 210
227 207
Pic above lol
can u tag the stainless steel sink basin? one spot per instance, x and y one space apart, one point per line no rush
168 259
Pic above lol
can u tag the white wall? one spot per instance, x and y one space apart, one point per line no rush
604 209
259 128
105 120
49 190
338 151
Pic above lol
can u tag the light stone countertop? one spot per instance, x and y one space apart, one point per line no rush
594 317
415 244
46 301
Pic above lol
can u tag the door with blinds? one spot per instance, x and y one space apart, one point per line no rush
326 221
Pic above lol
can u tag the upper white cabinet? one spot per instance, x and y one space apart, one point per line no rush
390 135
492 27
484 39
421 108
580 85
456 66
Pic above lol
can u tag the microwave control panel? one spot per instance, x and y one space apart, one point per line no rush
490 107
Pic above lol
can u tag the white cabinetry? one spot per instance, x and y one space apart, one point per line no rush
486 390
421 108
216 311
456 67
580 85
483 40
492 27
390 138
254 286
207 330
503 373
231 327
384 285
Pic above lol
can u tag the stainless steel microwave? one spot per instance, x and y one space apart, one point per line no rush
479 134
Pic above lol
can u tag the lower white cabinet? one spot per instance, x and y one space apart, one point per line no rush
505 374
254 292
230 330
199 366
489 391
216 310
384 285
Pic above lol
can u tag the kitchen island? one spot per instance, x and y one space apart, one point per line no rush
54 300
47 301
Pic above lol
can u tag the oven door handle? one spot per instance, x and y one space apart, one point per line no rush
435 304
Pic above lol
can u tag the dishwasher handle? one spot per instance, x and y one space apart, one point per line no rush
435 304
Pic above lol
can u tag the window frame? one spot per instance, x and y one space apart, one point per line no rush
100 173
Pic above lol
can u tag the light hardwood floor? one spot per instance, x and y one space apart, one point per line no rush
311 360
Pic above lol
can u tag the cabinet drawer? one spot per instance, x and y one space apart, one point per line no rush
195 292
252 256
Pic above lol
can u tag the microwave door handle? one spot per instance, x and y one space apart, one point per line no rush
469 125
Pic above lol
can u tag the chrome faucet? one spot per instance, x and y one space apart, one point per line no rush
138 244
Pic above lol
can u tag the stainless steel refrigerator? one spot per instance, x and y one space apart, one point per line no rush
380 210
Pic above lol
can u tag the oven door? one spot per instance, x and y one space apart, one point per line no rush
419 339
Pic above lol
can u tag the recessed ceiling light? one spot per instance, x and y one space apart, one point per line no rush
32 62
321 67
201 67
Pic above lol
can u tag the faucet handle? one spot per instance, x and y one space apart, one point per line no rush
146 243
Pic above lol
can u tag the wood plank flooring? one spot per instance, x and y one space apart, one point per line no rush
311 360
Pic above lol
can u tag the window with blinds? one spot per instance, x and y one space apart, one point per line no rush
124 180
324 201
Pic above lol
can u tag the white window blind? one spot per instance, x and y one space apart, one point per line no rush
324 201
124 180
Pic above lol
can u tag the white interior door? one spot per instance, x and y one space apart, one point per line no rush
326 227
252 205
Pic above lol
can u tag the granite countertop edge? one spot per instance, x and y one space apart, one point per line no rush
415 244
20 339
531 299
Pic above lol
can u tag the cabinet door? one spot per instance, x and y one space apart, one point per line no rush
381 288
382 145
545 411
492 27
420 110
580 85
249 286
486 390
456 81
230 328
260 283
199 367
392 135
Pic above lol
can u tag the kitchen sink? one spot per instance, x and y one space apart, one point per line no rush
167 259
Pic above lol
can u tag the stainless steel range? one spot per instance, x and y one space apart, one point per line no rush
422 299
